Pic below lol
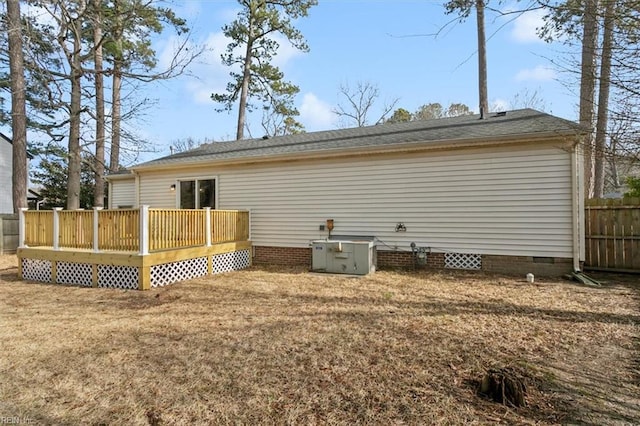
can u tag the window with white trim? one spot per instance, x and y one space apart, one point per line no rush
197 194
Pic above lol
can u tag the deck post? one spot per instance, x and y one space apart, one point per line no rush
56 228
207 226
144 230
249 225
96 217
22 227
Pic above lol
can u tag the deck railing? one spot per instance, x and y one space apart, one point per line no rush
38 225
176 229
75 229
141 230
229 225
119 230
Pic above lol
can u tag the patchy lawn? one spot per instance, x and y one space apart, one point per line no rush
285 346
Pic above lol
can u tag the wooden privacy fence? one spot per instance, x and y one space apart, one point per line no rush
143 230
612 234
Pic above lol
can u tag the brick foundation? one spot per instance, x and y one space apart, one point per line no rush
291 256
404 259
519 265
395 259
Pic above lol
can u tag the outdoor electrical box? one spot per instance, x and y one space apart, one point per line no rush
343 256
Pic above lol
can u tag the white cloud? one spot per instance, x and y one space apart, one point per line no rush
210 75
499 104
539 73
206 74
286 52
228 14
316 114
525 26
189 10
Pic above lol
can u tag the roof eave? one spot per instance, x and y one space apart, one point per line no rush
368 150
121 176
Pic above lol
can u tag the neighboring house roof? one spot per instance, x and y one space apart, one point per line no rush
121 174
34 194
8 139
512 125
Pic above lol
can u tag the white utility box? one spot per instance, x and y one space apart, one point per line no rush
343 256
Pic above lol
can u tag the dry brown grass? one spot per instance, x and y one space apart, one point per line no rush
267 346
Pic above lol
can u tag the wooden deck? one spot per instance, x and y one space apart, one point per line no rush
131 249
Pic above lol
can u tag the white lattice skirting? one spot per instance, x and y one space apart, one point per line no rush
170 273
233 261
75 273
123 277
462 261
128 277
37 270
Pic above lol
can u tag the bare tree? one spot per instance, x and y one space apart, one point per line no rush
359 102
277 124
587 87
99 163
528 99
70 19
18 106
603 100
187 144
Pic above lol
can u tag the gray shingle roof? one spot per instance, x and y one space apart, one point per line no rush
465 128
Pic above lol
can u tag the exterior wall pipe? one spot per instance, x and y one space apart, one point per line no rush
577 199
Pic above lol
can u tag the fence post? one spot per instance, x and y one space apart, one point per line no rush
207 225
22 227
56 228
96 217
144 230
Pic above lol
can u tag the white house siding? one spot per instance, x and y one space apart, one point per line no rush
123 193
6 160
484 201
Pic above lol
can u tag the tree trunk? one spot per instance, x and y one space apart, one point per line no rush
116 90
246 71
18 107
482 59
114 162
75 154
603 99
244 92
587 88
98 194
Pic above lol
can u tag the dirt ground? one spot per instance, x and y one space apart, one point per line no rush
275 346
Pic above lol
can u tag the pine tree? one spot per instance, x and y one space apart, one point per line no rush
253 31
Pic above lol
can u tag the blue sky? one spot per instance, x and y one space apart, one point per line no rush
360 40
366 40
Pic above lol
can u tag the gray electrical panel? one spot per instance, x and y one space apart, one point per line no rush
343 256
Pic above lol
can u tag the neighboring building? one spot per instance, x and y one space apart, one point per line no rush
6 168
122 190
503 193
6 174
